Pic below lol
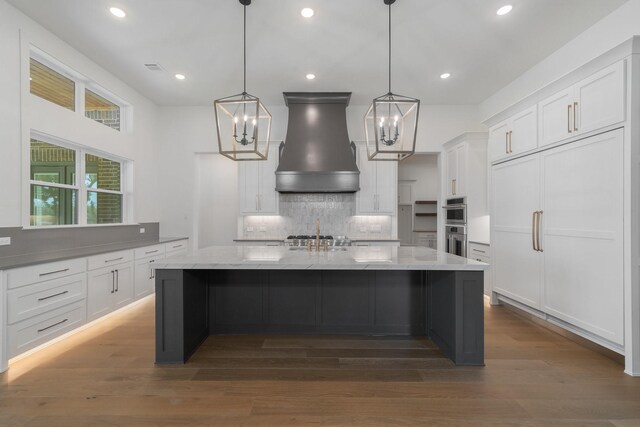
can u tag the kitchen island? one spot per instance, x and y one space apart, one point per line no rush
373 290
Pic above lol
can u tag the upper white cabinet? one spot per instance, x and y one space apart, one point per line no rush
456 161
516 135
257 185
378 186
591 104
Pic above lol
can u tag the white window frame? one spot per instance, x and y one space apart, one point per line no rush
80 187
82 83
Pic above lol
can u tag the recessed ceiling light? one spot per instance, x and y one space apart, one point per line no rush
445 76
311 76
307 12
180 76
116 11
504 10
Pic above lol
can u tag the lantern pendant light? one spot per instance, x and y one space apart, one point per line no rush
243 123
391 122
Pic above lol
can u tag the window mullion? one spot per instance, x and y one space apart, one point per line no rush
82 190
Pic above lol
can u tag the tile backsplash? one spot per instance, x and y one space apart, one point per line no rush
298 214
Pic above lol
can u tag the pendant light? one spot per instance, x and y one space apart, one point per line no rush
243 123
391 122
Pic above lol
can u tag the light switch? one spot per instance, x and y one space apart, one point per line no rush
4 241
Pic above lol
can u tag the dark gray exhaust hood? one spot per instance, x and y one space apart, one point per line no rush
317 155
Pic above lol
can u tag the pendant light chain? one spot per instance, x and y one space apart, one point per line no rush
389 47
244 48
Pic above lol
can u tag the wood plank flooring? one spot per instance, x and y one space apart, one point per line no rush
105 375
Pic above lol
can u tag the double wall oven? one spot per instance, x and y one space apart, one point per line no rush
456 226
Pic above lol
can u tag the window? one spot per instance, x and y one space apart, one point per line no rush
56 195
101 110
52 86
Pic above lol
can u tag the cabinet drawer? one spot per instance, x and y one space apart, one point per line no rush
150 251
38 273
38 330
33 300
486 260
173 248
111 258
480 251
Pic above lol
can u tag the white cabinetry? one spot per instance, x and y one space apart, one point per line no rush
557 233
109 287
514 136
456 170
177 248
257 185
144 271
378 186
482 252
591 104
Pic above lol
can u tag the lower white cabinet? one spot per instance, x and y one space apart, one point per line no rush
145 276
481 252
109 288
177 248
557 234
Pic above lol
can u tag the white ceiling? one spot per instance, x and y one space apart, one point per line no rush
344 44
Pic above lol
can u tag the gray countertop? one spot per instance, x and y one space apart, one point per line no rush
346 257
32 259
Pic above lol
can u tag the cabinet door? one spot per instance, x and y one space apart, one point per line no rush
556 117
460 186
124 285
366 197
601 99
524 131
249 186
386 187
582 234
498 142
100 290
144 282
516 196
268 203
452 171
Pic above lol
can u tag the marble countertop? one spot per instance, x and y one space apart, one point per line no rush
41 258
345 258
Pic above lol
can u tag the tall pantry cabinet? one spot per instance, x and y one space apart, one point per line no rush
565 235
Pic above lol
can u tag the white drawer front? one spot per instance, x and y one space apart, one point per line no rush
38 330
32 300
38 273
111 258
154 251
177 248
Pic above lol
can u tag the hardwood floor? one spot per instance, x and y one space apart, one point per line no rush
105 376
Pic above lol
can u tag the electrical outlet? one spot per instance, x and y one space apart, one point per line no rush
5 241
142 230
249 229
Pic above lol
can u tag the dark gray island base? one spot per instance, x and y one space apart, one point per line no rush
444 305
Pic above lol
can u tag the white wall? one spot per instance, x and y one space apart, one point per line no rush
21 112
607 33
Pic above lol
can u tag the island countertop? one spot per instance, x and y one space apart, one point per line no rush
296 258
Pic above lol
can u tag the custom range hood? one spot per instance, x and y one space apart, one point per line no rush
317 156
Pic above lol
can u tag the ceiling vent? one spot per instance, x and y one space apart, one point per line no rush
154 67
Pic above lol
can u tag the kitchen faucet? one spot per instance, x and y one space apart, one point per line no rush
317 243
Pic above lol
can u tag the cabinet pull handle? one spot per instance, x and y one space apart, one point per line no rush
478 250
538 234
151 270
115 259
51 326
52 296
113 281
117 280
151 252
177 246
54 272
506 142
533 230
575 116
569 118
510 141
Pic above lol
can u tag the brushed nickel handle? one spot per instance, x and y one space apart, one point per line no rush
54 272
510 142
575 114
51 326
53 296
533 230
506 142
538 234
176 246
151 252
115 259
569 118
